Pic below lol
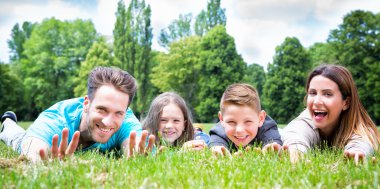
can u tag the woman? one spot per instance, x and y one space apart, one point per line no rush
334 117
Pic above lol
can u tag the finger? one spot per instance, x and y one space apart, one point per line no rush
132 143
248 148
217 153
54 146
225 152
238 153
276 147
73 144
198 144
285 147
266 147
63 144
43 155
142 142
374 159
346 154
151 141
356 158
162 149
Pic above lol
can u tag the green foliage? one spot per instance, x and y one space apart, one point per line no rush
284 88
221 66
11 90
53 54
18 38
213 16
132 45
179 69
173 169
357 46
255 76
98 55
177 29
120 35
321 53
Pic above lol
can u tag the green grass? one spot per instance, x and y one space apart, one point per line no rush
173 169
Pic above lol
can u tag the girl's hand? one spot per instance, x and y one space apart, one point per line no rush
194 145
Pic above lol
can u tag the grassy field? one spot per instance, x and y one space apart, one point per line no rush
174 169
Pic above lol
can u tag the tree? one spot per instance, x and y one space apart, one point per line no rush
18 38
176 30
53 54
321 53
120 35
98 55
11 91
132 44
255 76
284 89
178 69
221 66
357 46
213 16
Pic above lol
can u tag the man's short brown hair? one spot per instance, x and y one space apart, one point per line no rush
240 94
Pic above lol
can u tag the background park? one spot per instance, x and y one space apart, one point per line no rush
50 59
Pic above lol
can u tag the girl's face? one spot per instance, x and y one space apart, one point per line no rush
325 103
172 123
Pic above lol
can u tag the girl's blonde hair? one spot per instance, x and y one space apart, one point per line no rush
354 120
152 120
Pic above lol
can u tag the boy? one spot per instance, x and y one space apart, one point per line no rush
242 122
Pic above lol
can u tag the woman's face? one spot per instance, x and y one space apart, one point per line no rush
325 103
172 123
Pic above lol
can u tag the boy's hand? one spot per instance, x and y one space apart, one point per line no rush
272 147
64 150
220 151
194 145
357 155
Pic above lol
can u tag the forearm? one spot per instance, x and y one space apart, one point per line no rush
360 145
31 147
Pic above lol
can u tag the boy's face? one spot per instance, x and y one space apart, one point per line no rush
241 123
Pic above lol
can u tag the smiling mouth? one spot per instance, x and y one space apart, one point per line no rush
102 129
241 138
320 114
168 133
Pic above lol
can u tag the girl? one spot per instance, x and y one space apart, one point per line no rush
170 120
334 116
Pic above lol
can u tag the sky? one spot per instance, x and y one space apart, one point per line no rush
257 26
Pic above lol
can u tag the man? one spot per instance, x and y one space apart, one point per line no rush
99 120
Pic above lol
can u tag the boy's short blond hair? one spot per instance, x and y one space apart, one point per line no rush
240 94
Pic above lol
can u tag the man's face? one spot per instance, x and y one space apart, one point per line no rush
241 123
105 113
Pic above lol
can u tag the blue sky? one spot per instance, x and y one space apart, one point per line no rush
258 26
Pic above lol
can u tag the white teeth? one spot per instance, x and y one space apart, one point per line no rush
105 130
319 111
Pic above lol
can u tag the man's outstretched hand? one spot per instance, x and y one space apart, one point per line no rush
64 149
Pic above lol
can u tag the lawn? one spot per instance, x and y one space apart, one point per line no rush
174 169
